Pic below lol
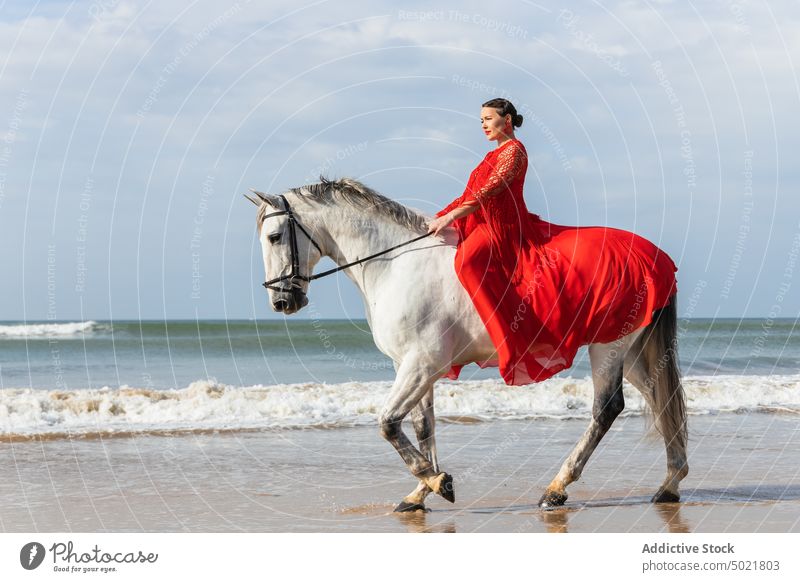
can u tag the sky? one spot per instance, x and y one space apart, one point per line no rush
130 130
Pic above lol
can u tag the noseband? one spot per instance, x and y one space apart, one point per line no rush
295 275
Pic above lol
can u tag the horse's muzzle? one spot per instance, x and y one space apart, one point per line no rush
290 302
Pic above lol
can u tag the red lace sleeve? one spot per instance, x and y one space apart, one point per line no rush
452 206
510 162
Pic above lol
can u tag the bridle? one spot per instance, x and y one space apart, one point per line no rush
294 275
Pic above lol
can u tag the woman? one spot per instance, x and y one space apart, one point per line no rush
543 290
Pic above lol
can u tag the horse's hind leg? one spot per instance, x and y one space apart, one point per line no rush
636 371
415 378
423 419
606 360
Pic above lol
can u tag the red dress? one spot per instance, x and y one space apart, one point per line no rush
541 289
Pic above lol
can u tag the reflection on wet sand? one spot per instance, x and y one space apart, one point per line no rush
555 520
665 517
671 514
417 522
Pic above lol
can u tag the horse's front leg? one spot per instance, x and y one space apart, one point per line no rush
423 419
415 378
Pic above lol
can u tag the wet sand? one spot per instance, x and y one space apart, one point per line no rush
744 477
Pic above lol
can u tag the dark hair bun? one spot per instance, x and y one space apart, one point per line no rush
505 107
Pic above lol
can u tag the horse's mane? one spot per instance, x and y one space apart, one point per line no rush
364 198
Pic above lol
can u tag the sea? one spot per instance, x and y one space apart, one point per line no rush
83 378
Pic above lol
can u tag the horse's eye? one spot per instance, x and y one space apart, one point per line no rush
274 238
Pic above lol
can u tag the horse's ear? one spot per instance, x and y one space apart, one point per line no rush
267 198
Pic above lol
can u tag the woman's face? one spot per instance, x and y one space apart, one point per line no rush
494 125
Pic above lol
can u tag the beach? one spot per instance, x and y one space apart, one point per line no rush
242 426
744 477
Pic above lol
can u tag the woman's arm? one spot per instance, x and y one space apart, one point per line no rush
443 221
508 166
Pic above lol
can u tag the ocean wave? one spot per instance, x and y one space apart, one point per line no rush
206 405
46 330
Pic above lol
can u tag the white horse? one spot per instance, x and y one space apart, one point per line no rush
423 319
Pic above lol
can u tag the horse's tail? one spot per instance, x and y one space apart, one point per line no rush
660 347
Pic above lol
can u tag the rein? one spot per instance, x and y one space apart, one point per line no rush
295 275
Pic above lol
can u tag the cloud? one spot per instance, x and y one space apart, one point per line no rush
147 99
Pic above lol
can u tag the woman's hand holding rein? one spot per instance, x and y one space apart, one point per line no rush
438 224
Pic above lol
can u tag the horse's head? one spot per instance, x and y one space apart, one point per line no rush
288 251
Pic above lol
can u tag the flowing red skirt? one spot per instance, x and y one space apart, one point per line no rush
580 285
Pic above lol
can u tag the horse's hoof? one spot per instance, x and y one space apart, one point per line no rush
664 496
552 499
405 506
447 489
442 485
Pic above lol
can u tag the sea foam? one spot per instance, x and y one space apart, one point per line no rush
208 405
45 330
